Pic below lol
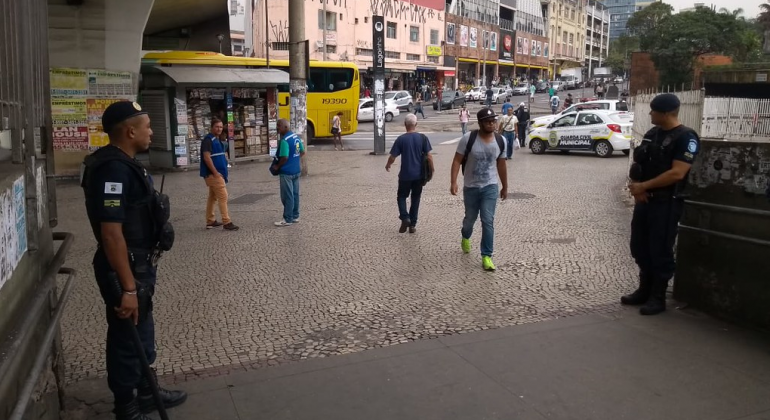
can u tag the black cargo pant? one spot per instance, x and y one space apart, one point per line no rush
523 133
653 234
124 371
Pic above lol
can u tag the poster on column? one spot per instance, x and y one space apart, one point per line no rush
13 229
473 38
526 46
70 125
19 208
519 45
96 135
463 36
103 83
450 33
68 82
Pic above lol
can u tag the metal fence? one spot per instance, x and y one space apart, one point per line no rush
741 119
690 112
25 106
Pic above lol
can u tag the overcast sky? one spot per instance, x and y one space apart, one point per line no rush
750 7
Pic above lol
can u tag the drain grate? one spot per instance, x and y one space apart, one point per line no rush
520 196
249 198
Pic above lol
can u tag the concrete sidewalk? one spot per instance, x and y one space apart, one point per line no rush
679 365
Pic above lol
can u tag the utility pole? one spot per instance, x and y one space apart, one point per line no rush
298 71
267 33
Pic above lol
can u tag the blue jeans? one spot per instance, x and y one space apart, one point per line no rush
481 200
405 188
290 197
464 126
510 136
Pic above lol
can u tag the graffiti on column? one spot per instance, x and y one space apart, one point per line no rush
280 31
298 90
399 9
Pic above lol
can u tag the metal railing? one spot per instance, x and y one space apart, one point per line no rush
37 308
743 119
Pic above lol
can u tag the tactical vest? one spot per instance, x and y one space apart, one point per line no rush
152 209
656 155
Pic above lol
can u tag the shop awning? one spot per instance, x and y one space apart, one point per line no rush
507 63
214 76
467 60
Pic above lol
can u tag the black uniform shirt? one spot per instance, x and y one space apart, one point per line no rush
119 195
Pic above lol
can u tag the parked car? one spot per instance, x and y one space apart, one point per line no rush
366 110
598 131
558 85
521 89
474 94
401 98
604 104
499 95
449 100
541 87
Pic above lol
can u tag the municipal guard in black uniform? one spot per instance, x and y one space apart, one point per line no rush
130 223
658 176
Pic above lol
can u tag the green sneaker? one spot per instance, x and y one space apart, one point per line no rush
465 244
487 263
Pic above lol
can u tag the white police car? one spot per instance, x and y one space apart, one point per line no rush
601 132
603 104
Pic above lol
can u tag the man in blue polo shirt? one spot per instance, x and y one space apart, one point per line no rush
214 172
290 150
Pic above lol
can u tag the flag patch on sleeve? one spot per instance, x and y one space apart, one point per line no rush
113 188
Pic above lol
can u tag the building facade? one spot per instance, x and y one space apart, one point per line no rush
473 41
526 55
620 12
567 34
597 35
341 30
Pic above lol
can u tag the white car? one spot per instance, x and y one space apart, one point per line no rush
499 95
558 85
401 98
601 132
521 89
604 104
474 94
366 110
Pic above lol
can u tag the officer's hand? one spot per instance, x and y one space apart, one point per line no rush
129 308
504 193
453 189
640 198
387 168
636 188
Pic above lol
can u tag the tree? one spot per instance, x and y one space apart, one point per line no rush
620 49
646 22
680 39
764 15
737 13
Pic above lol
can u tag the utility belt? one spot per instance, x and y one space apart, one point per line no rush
661 195
142 263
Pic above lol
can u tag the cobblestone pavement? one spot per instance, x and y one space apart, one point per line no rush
344 279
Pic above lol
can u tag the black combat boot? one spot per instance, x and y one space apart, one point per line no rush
642 294
129 411
147 401
657 301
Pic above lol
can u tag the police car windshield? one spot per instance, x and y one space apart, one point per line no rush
621 106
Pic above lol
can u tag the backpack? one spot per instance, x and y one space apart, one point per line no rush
472 140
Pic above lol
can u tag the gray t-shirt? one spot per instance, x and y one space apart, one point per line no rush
481 167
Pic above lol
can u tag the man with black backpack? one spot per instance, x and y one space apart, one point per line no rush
416 170
482 153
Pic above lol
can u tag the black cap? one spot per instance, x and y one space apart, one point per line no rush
485 114
118 112
666 102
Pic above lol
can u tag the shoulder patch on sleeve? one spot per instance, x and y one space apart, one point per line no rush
113 188
692 146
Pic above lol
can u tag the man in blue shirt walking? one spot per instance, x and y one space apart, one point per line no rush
411 146
290 150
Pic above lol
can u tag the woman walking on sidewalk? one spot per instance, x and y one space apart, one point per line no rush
336 130
464 117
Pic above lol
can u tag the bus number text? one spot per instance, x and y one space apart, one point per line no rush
334 101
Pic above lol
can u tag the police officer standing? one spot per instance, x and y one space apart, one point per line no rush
129 220
658 176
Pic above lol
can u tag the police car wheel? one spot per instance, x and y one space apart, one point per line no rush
537 147
603 149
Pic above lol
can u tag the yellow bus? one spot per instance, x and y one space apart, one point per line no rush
333 86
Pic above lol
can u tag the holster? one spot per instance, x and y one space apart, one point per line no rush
112 291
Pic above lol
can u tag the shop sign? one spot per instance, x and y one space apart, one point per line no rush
506 50
433 50
449 73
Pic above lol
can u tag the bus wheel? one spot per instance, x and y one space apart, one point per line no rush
310 133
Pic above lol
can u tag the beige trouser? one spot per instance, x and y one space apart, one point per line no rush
217 194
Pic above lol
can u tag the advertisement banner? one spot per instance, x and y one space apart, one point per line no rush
70 124
493 41
519 45
463 36
433 50
103 83
96 136
506 51
68 82
450 33
473 38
